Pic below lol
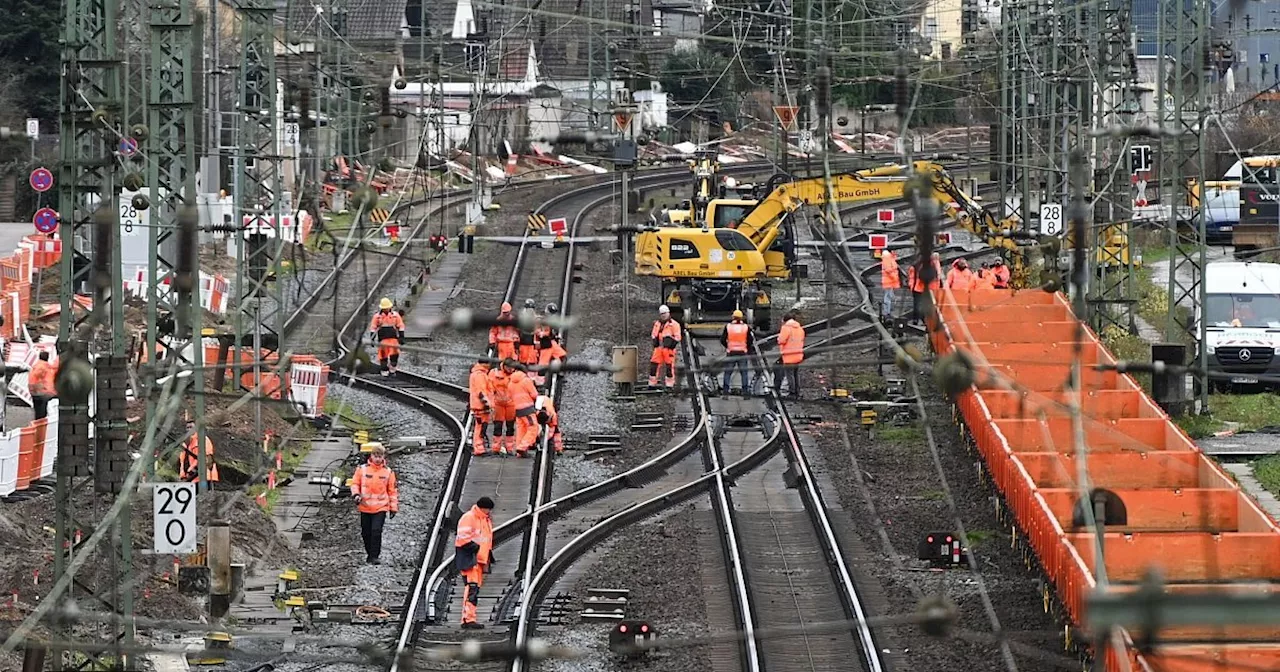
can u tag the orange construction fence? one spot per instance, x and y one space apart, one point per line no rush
1169 506
27 453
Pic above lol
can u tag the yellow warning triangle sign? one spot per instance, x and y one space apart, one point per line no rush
622 121
786 115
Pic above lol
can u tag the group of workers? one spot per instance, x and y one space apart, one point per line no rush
992 275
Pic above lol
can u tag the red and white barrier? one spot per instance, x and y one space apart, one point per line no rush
295 228
215 290
308 382
21 354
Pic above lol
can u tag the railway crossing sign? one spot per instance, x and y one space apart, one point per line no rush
884 215
41 180
46 220
1051 219
558 226
128 147
174 505
537 222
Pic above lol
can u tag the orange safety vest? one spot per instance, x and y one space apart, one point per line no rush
478 385
523 392
189 461
916 283
889 277
476 525
387 325
376 487
1001 279
960 278
984 279
40 379
547 355
736 334
668 329
503 333
500 387
791 342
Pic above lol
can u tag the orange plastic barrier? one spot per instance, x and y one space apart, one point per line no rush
1182 513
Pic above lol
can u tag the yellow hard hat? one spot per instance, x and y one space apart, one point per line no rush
385 304
737 314
373 447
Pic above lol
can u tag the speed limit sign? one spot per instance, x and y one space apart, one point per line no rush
174 505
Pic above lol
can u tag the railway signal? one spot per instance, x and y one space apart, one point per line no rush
632 639
942 549
438 242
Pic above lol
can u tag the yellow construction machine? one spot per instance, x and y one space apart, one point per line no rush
728 262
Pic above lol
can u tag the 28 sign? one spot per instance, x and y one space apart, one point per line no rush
174 505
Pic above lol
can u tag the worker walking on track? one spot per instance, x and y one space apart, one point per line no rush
480 404
666 338
916 282
40 384
737 341
548 418
189 458
504 337
374 490
524 397
890 282
472 555
504 412
791 346
388 328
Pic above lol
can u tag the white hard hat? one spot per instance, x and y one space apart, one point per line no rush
664 310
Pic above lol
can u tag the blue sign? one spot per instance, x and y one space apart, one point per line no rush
41 180
128 146
46 220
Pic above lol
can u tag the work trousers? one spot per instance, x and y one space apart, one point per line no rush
371 531
504 428
737 361
527 430
480 427
886 305
918 303
389 354
40 404
472 579
787 370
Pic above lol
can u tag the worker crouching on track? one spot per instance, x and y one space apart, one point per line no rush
374 490
472 555
548 418
503 411
40 384
481 406
666 338
791 346
388 328
737 339
524 397
504 337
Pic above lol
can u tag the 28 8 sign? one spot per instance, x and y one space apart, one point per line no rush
174 505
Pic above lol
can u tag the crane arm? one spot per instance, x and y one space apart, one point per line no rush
763 224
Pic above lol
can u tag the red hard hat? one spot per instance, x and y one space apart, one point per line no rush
506 307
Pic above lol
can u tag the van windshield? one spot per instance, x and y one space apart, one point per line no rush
1243 310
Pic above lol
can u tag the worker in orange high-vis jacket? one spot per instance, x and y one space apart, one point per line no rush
550 420
388 328
984 278
373 487
480 404
960 278
472 555
504 337
890 282
40 384
527 350
737 339
666 338
1001 275
918 287
189 458
524 397
791 347
504 412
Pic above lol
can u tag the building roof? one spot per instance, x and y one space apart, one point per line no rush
367 20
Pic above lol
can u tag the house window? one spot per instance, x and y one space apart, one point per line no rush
657 22
930 28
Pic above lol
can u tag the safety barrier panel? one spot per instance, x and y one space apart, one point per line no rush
1168 505
27 453
46 249
215 290
294 229
308 383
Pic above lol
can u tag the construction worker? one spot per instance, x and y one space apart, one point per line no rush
915 281
541 339
1000 273
503 337
890 281
388 328
373 488
472 555
40 384
960 278
548 418
737 340
524 398
480 404
791 346
527 352
666 338
504 413
189 458
984 278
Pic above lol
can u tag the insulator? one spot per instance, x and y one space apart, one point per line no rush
822 87
104 237
188 237
901 92
386 103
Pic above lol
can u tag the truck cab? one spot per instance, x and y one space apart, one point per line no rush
1242 322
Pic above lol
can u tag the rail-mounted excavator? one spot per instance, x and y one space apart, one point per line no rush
728 263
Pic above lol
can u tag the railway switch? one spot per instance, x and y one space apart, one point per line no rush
943 549
632 639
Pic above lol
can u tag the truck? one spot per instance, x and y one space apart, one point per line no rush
1242 322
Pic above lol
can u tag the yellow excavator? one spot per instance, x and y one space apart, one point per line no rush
728 264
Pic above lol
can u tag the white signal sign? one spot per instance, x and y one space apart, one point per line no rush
1051 219
174 505
33 128
292 134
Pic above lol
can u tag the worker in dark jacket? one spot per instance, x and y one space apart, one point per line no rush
737 340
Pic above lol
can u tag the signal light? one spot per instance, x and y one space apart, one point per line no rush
632 639
622 628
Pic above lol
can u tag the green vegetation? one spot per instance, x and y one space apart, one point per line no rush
910 434
1130 348
933 496
349 417
1267 471
1250 412
978 537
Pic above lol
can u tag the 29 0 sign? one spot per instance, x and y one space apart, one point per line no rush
174 505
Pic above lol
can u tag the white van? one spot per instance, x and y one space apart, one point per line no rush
1242 321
